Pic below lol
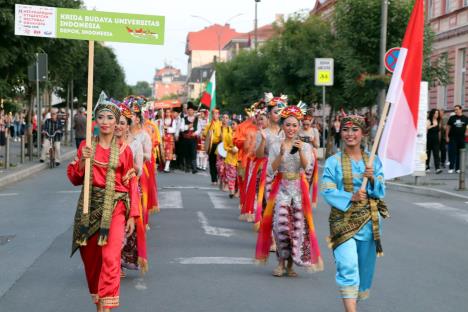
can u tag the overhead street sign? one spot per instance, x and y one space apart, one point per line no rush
51 22
324 72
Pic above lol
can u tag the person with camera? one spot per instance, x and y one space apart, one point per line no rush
288 211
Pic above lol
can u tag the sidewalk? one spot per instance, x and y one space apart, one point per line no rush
443 185
18 171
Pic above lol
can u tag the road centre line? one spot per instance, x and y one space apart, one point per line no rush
212 230
214 260
69 192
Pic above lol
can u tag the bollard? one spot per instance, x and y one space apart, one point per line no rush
7 152
22 148
461 180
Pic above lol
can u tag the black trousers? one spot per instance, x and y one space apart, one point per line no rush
454 152
432 146
179 151
190 153
212 161
443 152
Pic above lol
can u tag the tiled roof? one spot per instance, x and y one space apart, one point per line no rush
207 39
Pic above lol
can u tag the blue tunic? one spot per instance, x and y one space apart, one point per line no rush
332 187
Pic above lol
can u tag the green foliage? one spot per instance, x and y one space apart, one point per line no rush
141 88
241 81
68 59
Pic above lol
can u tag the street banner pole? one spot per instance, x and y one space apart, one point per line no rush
89 114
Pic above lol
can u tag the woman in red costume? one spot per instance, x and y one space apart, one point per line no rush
134 253
113 206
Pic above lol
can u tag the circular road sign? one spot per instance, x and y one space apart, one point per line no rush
391 58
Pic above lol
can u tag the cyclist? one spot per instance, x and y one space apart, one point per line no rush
52 128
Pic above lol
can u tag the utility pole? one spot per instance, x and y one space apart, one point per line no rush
256 25
383 50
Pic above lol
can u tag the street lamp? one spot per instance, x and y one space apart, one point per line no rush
219 32
256 25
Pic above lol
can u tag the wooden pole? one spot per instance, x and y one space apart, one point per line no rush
89 113
377 138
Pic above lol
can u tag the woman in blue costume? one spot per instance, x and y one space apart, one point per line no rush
356 212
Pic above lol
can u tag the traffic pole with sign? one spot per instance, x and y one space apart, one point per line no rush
324 77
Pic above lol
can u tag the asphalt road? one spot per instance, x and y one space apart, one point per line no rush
201 255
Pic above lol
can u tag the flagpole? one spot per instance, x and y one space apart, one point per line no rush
378 136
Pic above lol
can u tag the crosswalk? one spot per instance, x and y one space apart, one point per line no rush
172 199
457 213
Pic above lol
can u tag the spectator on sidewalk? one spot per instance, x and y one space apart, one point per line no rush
455 137
2 131
79 122
433 125
52 126
443 142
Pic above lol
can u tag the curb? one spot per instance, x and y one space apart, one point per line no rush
22 174
426 191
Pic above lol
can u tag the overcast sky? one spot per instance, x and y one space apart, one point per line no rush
140 61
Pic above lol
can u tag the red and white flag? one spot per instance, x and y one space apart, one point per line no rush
398 144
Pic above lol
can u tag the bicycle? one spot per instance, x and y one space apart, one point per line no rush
52 147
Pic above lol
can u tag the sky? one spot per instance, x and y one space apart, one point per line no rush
140 61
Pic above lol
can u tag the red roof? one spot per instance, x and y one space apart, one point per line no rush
207 39
264 33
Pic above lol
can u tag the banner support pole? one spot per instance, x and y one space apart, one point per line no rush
89 114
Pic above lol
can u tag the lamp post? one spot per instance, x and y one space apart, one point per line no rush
256 25
219 32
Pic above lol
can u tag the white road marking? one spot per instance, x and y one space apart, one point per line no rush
69 192
140 284
170 200
219 200
180 187
212 230
9 194
446 210
214 260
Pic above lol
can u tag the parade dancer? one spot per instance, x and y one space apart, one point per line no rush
212 133
113 206
288 212
265 138
147 181
202 157
134 252
254 164
169 140
231 158
220 159
190 136
355 213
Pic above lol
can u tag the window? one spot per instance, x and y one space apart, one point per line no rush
465 3
430 9
462 76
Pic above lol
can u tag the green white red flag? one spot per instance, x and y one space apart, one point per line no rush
209 95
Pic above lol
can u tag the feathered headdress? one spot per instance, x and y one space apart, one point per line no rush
273 101
298 111
105 104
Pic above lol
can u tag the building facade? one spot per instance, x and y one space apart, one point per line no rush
168 81
449 20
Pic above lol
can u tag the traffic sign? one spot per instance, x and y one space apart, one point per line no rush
391 58
324 72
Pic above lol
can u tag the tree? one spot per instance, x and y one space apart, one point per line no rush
142 88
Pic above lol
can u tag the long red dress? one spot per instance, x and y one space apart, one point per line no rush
102 263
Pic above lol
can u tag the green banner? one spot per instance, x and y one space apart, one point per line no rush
88 25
